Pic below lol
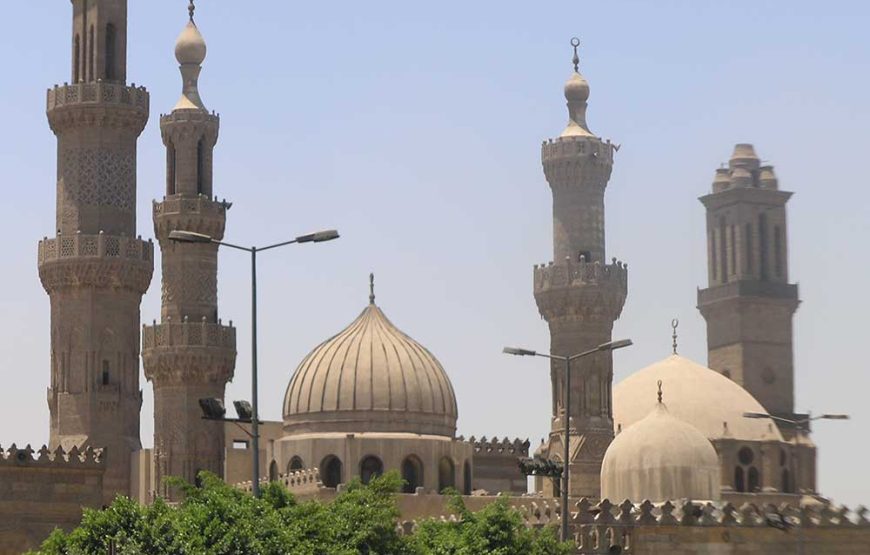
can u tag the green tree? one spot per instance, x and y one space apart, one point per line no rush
217 519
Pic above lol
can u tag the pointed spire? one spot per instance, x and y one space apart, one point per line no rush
674 324
575 42
372 288
190 51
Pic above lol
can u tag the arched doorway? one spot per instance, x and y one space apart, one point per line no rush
466 478
412 474
273 471
295 465
739 481
330 471
446 474
370 467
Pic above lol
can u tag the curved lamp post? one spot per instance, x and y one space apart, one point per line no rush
604 347
191 237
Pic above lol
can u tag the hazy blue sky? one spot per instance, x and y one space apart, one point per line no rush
415 128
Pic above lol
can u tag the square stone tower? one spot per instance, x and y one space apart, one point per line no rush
95 269
579 294
749 302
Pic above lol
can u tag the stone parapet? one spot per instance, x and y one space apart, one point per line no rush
103 261
301 482
197 214
98 105
571 161
581 289
59 458
506 446
184 352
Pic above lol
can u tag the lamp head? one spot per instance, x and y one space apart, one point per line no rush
244 410
318 237
212 408
755 415
189 237
834 417
518 352
614 345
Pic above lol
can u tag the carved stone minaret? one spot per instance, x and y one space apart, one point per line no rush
579 294
95 269
190 354
749 302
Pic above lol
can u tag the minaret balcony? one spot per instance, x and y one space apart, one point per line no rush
199 214
582 289
97 104
101 260
182 352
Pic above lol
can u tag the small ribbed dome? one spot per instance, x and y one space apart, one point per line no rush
371 377
660 458
190 47
708 400
577 88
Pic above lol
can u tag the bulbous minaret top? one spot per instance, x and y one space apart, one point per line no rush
576 93
190 51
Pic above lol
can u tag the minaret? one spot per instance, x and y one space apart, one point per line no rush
95 269
579 294
749 302
190 354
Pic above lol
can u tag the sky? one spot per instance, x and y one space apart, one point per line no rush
415 129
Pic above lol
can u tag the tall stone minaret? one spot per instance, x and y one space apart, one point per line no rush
190 354
579 294
95 269
749 302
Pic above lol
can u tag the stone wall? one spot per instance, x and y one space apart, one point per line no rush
495 465
41 491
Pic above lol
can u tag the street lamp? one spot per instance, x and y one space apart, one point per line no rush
604 347
191 237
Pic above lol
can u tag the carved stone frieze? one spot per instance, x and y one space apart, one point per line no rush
105 105
196 214
102 261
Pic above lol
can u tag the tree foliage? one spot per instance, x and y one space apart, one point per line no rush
217 519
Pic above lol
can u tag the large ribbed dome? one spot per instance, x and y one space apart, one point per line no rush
706 399
371 377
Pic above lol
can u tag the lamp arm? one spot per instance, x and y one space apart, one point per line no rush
230 245
276 245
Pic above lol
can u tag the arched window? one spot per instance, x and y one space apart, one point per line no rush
77 59
777 251
170 169
713 255
786 481
753 480
466 478
745 455
330 471
273 471
739 482
733 238
748 248
762 245
106 379
295 465
200 165
111 52
90 75
446 474
370 467
412 474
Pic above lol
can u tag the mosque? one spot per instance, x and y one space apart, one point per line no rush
699 455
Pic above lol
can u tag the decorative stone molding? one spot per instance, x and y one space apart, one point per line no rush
572 161
301 481
588 291
188 352
187 124
102 261
97 104
505 446
197 214
59 458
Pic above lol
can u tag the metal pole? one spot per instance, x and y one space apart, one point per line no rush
255 428
566 458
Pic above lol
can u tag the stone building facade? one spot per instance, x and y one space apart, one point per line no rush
579 293
95 268
190 354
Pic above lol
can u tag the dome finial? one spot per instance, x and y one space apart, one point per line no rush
575 42
191 9
660 392
372 288
675 324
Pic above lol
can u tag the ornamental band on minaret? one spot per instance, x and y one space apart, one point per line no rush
579 294
95 269
190 354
